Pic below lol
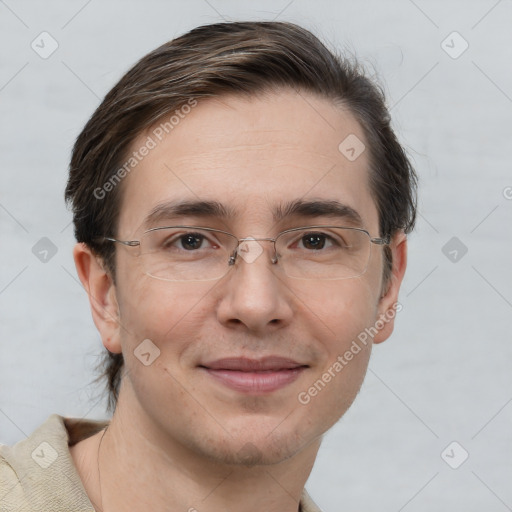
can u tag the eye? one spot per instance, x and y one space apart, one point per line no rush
188 241
316 241
191 241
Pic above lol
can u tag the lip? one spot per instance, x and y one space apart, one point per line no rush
254 376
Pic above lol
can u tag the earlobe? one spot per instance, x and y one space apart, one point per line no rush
388 303
102 295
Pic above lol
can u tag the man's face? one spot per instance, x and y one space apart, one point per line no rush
252 156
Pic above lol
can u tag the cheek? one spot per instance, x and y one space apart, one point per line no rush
343 311
351 313
169 314
339 310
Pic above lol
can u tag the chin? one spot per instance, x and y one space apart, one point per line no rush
256 444
251 454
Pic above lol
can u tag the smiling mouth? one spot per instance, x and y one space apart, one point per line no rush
254 376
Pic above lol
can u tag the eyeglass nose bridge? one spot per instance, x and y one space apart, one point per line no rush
232 258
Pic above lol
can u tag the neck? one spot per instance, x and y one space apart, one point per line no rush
134 465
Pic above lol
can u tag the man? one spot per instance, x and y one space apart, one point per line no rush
241 207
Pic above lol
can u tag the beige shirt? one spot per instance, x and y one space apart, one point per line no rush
38 473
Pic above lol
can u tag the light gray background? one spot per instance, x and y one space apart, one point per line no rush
443 376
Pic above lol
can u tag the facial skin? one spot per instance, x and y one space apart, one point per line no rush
178 431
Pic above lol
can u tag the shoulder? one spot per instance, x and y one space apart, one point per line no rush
37 473
307 504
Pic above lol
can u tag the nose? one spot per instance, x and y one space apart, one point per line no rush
254 293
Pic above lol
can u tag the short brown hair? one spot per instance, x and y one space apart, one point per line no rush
243 58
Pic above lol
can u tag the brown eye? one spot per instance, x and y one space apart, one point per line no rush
314 241
187 241
191 241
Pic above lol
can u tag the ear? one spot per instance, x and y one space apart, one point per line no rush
102 296
388 304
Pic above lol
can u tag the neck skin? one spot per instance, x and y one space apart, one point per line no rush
135 455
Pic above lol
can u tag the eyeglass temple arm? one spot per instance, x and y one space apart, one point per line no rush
130 243
381 241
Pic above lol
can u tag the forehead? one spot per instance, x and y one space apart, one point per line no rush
255 156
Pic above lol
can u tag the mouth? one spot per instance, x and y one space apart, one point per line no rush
254 376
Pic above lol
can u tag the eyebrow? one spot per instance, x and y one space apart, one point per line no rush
214 209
